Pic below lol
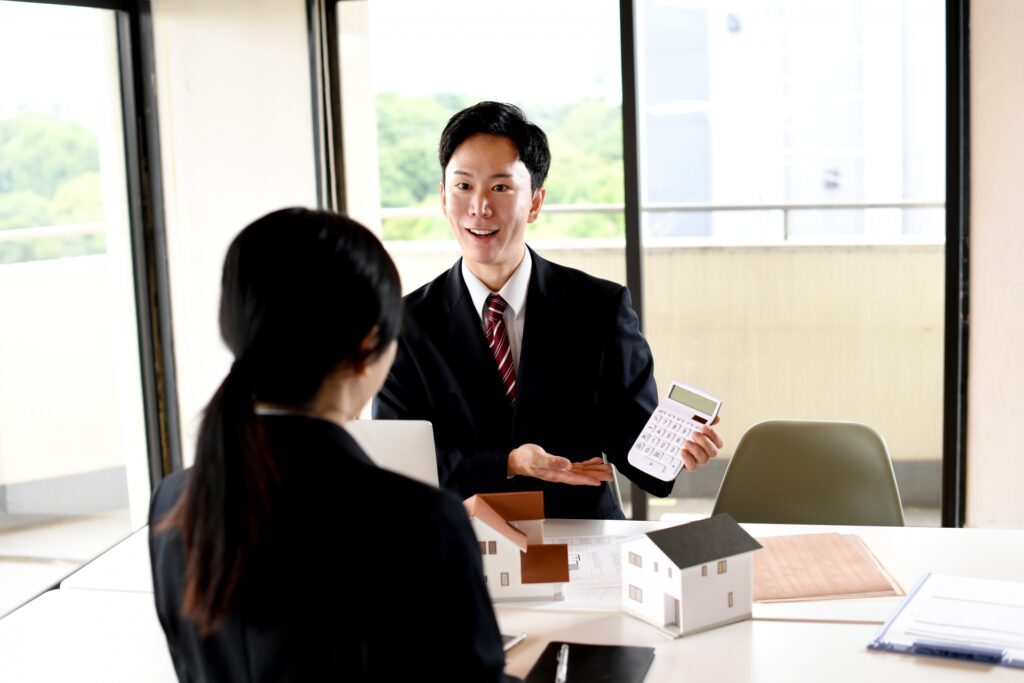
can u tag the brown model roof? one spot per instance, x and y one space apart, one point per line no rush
478 506
539 563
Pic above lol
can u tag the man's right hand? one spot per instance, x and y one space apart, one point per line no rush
530 460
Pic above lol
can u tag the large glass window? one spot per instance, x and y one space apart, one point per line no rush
408 65
791 156
73 460
792 163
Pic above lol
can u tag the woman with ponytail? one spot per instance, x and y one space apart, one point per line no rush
284 554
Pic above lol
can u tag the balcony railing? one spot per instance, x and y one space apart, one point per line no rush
786 207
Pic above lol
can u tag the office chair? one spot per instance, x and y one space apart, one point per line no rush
811 472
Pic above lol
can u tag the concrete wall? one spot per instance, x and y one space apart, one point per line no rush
236 132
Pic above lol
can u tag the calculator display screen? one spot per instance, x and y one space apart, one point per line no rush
695 401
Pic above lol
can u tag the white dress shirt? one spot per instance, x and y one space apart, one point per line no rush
514 294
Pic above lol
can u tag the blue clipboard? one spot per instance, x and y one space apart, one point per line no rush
999 640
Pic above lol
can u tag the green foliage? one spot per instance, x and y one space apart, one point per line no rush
586 167
79 200
408 129
49 175
23 209
40 153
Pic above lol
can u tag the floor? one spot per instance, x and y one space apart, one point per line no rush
37 552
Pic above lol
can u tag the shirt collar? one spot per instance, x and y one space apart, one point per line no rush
514 291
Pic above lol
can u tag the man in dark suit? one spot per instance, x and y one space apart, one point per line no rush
520 405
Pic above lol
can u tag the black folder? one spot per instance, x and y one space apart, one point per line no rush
594 664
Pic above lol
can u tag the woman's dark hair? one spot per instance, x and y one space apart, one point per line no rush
503 120
300 292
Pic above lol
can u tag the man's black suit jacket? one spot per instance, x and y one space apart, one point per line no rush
363 575
585 385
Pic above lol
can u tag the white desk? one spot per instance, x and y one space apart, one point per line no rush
125 567
755 651
103 622
85 635
907 553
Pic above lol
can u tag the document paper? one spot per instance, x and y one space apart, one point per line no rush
595 573
982 614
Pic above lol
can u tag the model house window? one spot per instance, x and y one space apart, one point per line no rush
730 598
655 567
635 593
723 566
635 559
670 572
704 570
483 548
504 578
492 547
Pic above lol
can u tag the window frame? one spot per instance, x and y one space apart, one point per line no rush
148 237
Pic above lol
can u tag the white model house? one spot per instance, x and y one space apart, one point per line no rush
518 565
690 577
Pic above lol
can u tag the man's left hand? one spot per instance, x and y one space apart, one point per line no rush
701 446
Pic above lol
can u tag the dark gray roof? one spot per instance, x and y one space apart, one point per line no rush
703 541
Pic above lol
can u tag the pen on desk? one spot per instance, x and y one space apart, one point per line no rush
563 664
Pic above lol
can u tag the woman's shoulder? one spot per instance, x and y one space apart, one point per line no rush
167 493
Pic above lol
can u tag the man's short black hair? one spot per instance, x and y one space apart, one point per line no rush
503 120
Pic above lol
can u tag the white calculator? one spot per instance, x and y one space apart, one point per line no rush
683 410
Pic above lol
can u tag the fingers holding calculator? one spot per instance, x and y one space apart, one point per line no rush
701 446
678 434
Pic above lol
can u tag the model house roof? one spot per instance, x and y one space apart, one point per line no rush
703 541
479 506
519 506
539 563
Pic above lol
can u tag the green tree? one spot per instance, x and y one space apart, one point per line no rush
23 209
40 153
49 175
586 148
79 200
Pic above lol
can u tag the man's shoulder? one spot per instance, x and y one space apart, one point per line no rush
557 278
427 298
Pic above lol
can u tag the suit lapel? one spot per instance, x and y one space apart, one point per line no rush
468 348
540 334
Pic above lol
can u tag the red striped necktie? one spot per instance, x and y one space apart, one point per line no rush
497 339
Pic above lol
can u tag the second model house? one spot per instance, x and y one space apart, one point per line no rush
690 577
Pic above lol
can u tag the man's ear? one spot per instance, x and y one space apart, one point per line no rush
536 203
444 199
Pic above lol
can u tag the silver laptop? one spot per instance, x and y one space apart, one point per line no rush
403 446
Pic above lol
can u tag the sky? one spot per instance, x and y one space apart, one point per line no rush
554 51
56 56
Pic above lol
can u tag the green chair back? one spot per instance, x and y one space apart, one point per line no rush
811 472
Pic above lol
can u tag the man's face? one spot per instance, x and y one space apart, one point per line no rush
487 199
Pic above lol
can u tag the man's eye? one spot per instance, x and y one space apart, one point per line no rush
500 188
462 186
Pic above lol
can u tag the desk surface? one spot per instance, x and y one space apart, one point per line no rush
125 567
785 641
85 635
747 651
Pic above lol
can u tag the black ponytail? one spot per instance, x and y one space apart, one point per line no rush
301 290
